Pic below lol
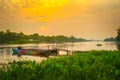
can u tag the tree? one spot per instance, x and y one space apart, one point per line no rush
118 34
72 39
2 37
34 38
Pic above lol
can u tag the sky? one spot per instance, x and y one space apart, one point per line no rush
89 19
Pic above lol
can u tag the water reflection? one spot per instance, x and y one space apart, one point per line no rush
118 46
87 46
6 50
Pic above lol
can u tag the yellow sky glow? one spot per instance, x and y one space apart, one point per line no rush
81 18
47 10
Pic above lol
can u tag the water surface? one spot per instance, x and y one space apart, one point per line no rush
6 50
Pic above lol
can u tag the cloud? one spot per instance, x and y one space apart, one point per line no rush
16 11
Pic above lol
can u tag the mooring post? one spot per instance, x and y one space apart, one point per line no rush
48 47
67 52
57 52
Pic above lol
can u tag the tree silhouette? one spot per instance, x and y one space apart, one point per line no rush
118 34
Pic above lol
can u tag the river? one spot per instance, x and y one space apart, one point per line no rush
6 50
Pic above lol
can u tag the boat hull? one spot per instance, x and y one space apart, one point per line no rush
35 52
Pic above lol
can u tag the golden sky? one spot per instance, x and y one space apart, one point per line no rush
90 19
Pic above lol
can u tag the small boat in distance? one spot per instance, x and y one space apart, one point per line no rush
99 44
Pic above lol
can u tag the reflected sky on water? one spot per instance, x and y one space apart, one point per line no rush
6 50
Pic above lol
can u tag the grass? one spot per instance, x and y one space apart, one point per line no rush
92 65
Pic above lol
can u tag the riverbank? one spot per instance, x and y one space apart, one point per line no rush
92 65
5 59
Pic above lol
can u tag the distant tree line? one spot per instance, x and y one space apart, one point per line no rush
8 37
111 39
117 38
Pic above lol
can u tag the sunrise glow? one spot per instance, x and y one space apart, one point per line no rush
81 18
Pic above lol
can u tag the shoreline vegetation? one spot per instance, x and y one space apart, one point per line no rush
91 65
8 37
111 39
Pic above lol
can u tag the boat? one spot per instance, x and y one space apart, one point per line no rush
99 44
35 52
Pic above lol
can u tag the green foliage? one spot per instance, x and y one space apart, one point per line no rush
9 37
110 39
93 65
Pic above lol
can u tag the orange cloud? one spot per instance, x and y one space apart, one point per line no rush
54 9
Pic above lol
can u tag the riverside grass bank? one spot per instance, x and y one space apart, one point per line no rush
92 65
